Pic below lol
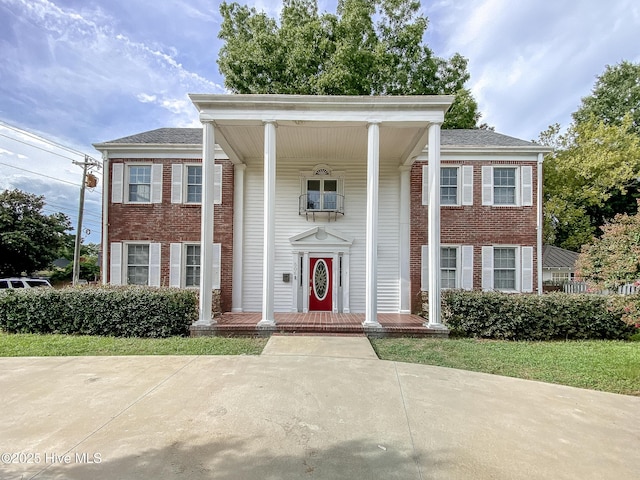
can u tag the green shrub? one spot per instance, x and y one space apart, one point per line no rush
109 311
552 316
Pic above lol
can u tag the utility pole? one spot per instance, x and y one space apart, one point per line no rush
86 164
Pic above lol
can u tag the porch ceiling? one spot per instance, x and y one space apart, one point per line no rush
245 143
327 128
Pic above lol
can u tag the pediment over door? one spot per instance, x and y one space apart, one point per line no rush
321 238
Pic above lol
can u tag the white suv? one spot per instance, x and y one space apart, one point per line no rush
23 283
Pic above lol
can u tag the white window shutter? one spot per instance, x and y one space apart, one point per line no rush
425 184
156 183
527 269
176 183
424 276
217 184
467 185
466 281
117 183
216 265
487 185
154 264
115 264
527 185
487 268
175 264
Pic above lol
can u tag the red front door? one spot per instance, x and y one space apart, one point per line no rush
320 285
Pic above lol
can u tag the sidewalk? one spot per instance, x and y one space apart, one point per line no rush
293 414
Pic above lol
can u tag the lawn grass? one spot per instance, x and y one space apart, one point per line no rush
609 366
31 345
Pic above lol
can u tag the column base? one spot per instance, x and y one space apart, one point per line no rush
205 322
371 324
435 326
264 323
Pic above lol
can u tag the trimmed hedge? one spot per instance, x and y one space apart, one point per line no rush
551 316
107 311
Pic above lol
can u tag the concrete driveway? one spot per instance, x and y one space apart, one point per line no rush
307 408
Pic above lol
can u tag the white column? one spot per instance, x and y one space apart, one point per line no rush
433 236
206 224
268 265
371 248
540 223
346 308
238 235
305 282
405 239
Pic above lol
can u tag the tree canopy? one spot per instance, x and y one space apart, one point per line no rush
347 53
593 173
29 239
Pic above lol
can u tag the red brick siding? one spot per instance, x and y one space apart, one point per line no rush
475 225
168 223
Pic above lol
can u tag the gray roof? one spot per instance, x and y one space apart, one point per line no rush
460 138
480 138
556 257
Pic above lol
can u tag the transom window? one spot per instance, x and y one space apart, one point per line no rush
322 194
137 264
448 267
140 183
504 186
192 266
194 184
504 268
449 186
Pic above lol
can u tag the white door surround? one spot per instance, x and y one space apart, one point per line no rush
320 242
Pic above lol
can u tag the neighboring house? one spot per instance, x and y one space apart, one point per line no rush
319 203
558 265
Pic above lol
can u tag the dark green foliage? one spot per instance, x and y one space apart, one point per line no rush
107 311
555 316
368 47
29 239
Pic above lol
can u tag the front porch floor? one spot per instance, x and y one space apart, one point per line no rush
318 323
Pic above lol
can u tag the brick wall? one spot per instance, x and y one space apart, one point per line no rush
168 223
475 225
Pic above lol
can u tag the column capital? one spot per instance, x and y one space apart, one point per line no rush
374 121
404 168
239 166
270 122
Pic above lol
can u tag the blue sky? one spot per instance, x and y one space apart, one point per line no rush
85 71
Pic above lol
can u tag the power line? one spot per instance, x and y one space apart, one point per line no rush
47 176
98 217
39 138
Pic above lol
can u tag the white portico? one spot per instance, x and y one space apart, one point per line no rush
321 201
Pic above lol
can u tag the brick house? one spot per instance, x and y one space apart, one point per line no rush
312 203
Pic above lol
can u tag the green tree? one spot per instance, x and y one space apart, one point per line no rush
29 239
615 95
347 53
591 177
614 258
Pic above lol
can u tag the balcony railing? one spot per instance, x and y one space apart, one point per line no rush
330 204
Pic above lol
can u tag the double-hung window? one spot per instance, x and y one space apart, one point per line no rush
449 186
137 264
456 185
192 266
139 183
504 268
187 183
507 186
194 184
504 186
456 267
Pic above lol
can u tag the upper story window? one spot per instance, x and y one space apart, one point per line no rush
449 186
322 191
187 183
456 185
194 184
136 183
139 183
507 186
504 186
